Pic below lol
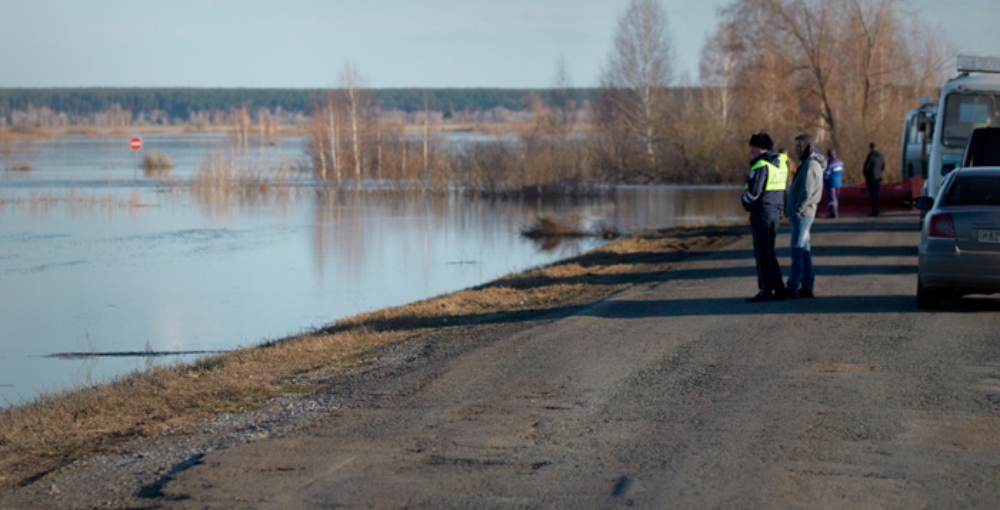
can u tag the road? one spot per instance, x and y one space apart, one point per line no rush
674 393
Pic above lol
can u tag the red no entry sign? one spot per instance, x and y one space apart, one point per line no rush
135 143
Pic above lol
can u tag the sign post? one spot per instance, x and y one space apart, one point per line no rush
135 144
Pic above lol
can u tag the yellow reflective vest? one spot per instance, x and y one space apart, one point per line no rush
766 193
777 175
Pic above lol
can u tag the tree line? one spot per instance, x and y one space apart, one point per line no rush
181 104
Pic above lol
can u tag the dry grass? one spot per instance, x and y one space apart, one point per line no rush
55 430
25 133
231 177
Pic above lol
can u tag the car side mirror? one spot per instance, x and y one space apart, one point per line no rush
924 203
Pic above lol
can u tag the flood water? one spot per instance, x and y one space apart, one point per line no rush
105 269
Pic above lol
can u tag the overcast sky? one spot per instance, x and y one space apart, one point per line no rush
393 43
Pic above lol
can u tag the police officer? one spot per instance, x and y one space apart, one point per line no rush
763 199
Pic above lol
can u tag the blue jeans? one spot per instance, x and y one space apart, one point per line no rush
802 266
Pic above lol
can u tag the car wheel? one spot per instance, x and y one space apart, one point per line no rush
927 299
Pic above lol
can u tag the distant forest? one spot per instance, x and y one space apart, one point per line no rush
182 104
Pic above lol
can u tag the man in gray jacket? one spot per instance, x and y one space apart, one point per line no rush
803 197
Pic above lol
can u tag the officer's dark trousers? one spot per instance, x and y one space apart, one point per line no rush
764 225
873 187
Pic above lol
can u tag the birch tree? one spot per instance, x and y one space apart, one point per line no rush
717 71
562 96
332 118
357 106
638 71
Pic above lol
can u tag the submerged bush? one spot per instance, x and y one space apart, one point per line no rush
157 160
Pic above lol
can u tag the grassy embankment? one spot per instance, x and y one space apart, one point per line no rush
55 430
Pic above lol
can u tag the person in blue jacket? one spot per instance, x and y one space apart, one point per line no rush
832 177
763 199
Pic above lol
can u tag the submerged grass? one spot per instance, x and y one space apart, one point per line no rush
55 430
549 227
73 201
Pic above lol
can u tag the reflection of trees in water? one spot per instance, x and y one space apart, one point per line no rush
353 226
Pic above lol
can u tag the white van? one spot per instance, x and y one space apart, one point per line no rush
968 101
917 131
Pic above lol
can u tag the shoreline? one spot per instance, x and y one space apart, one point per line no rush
57 430
44 133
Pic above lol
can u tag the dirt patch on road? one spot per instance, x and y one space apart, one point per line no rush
56 430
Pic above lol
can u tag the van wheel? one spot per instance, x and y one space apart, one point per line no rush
927 299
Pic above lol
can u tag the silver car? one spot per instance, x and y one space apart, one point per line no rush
959 249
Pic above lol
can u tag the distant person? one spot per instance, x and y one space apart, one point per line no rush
783 156
788 164
874 165
803 196
832 178
763 199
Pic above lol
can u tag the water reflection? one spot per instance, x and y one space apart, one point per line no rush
97 258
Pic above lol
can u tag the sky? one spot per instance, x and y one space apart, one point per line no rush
392 43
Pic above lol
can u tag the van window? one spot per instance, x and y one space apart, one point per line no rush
965 112
983 148
973 190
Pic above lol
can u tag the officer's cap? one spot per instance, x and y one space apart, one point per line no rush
762 140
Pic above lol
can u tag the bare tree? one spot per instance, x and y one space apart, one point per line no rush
846 70
638 71
357 106
317 146
562 96
717 70
427 126
333 133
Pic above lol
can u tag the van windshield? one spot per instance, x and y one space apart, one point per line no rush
965 112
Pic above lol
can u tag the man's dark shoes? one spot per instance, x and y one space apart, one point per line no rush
792 294
760 297
806 293
779 295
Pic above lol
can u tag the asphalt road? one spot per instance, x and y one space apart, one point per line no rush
674 393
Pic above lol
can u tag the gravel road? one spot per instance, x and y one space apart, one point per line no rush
673 393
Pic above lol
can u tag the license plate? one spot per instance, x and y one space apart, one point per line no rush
989 236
